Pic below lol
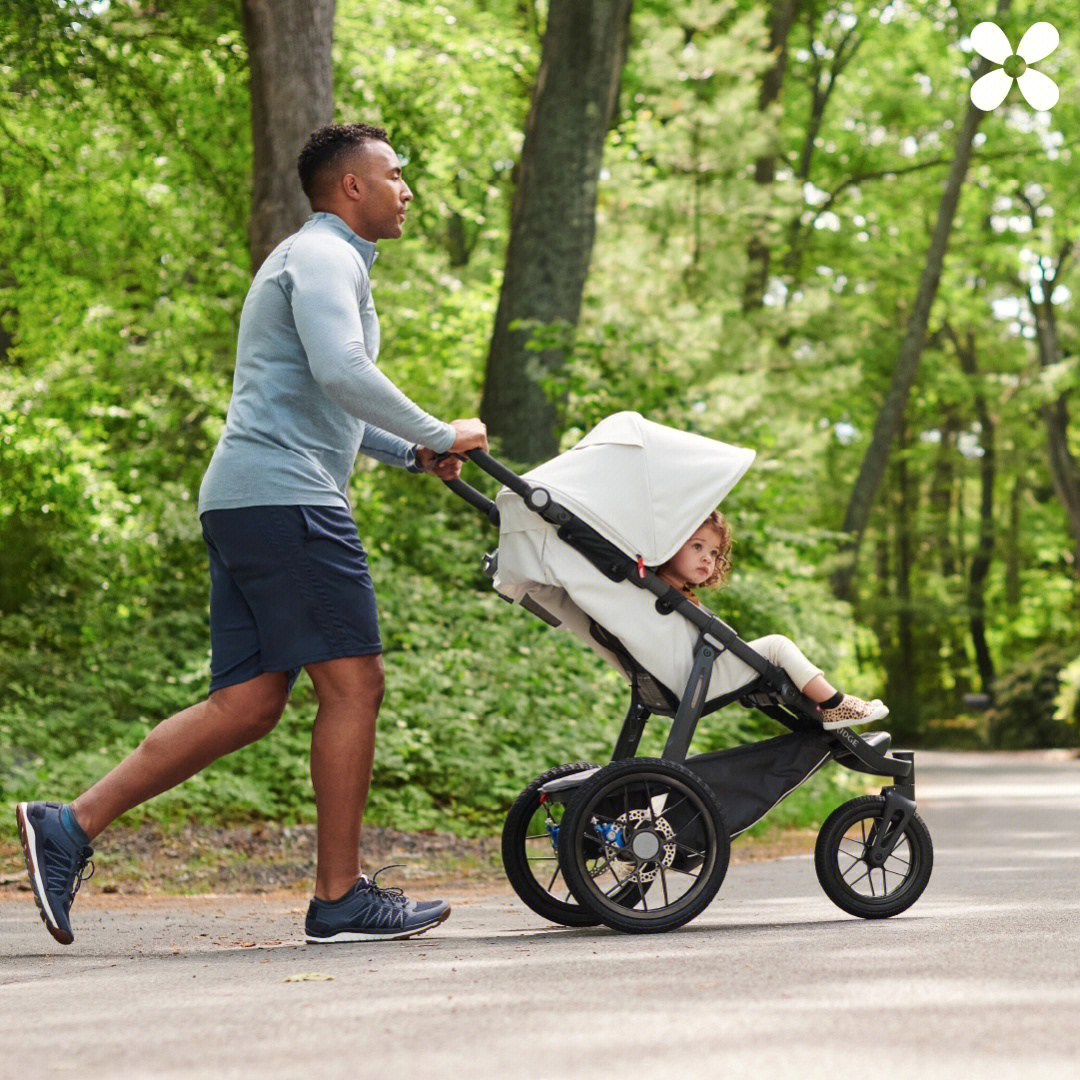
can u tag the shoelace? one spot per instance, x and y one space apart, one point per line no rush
391 894
80 868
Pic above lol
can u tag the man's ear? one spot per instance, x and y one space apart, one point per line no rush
352 185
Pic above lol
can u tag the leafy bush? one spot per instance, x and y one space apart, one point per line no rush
1023 716
481 696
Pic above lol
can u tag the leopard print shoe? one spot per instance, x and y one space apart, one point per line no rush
851 711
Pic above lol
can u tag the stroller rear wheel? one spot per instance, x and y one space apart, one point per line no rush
529 853
643 845
846 874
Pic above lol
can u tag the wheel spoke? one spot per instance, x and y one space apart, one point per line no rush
846 870
687 848
669 810
619 882
852 884
663 883
686 873
551 883
686 824
648 802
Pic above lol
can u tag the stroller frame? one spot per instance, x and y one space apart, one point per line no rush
772 693
741 783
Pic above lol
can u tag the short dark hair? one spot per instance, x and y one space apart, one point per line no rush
327 146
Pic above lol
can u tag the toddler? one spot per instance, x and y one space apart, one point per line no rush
705 560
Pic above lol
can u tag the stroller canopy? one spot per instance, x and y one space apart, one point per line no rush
643 486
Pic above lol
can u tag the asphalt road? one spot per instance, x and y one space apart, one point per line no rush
979 979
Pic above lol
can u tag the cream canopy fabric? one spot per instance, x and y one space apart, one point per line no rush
646 488
641 485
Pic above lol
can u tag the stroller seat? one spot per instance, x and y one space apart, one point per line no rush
650 691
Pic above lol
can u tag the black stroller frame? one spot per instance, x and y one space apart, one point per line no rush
747 781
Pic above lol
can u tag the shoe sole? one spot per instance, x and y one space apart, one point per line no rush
29 843
352 935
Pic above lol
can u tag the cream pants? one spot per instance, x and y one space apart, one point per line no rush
729 672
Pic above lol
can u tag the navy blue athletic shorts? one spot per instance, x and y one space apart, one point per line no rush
289 586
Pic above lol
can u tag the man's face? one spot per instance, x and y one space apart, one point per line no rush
381 193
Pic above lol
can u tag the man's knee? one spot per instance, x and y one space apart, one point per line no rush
354 679
254 708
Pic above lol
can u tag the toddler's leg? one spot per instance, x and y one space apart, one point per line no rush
784 653
837 710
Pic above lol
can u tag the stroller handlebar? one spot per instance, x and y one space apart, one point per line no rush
493 468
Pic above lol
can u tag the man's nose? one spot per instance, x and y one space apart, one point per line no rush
406 194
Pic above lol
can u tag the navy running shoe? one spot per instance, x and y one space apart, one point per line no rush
55 861
368 912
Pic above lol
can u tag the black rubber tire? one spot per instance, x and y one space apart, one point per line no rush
515 855
577 845
914 849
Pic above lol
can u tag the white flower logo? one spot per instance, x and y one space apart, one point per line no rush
1039 42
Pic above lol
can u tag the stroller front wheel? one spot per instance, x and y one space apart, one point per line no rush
643 845
841 859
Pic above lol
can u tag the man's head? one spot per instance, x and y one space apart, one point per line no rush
351 170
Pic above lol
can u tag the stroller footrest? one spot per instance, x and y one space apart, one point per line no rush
566 783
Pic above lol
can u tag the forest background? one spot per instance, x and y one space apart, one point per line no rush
774 185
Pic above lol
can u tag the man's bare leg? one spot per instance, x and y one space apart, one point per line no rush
184 744
350 691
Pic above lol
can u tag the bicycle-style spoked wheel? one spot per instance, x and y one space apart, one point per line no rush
530 856
643 845
846 874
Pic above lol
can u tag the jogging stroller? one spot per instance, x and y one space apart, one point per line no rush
642 844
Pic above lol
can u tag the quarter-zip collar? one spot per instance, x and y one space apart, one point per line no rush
365 247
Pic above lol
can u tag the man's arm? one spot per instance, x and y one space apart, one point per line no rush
389 449
324 286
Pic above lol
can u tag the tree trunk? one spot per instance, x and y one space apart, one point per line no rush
1064 470
980 562
907 363
292 93
553 219
905 636
782 14
1012 554
941 491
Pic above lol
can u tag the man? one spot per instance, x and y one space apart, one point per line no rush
289 581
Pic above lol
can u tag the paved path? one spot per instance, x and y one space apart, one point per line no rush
981 978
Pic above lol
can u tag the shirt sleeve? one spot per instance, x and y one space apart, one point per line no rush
326 290
389 449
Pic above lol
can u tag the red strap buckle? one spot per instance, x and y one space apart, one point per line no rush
640 566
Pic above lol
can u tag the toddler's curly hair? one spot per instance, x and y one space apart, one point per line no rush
719 576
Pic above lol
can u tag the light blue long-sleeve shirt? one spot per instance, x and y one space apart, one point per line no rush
307 396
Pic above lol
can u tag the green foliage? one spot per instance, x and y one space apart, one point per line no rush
1026 703
1067 702
123 266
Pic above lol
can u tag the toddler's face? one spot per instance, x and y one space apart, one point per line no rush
695 561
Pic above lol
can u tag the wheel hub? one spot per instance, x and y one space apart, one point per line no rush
649 843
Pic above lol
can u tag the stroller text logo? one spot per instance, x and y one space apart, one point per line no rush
1039 91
